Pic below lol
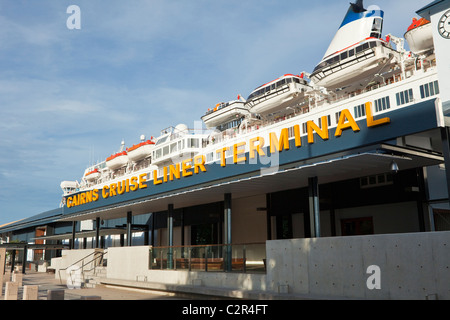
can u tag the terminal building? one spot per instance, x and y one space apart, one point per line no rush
294 198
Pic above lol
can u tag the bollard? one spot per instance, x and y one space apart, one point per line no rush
55 295
7 276
17 278
2 268
30 292
11 291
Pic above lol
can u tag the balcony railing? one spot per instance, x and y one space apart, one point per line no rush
227 258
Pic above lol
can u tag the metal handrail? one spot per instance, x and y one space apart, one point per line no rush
100 255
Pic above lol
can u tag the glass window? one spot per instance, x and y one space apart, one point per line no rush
192 143
436 87
429 89
351 52
344 55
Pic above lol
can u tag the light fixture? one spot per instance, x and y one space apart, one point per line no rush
393 166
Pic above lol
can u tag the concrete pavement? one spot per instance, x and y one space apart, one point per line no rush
46 281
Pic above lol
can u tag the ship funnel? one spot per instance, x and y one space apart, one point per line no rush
358 7
358 24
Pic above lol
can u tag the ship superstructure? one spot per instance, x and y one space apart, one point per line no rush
361 76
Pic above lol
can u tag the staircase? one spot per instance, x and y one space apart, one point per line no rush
93 277
88 269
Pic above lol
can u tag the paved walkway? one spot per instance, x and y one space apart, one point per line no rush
47 282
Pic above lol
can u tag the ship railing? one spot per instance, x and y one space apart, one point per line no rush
243 258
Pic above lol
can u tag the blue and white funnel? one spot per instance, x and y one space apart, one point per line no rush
358 24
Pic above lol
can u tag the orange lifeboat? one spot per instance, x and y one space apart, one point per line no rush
419 36
140 151
92 175
117 160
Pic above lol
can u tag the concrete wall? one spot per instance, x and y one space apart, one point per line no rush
412 266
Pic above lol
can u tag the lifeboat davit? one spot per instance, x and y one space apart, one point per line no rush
92 175
278 94
225 112
419 36
356 51
140 151
117 160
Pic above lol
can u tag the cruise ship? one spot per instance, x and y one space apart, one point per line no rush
363 75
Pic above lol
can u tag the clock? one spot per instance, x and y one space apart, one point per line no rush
444 25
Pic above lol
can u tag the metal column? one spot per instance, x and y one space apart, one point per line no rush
227 225
24 261
314 210
72 244
170 236
129 234
97 232
445 137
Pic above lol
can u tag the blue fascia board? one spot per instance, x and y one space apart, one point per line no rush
405 121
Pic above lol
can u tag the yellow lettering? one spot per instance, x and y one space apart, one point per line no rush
237 152
88 196
95 195
142 181
69 202
222 156
185 167
174 171
311 127
127 185
253 149
155 178
105 193
298 139
112 189
344 124
199 164
369 119
121 187
75 200
81 198
282 144
134 184
165 174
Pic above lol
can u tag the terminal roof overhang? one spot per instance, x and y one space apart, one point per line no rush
374 159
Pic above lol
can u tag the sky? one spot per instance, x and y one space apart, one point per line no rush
69 96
